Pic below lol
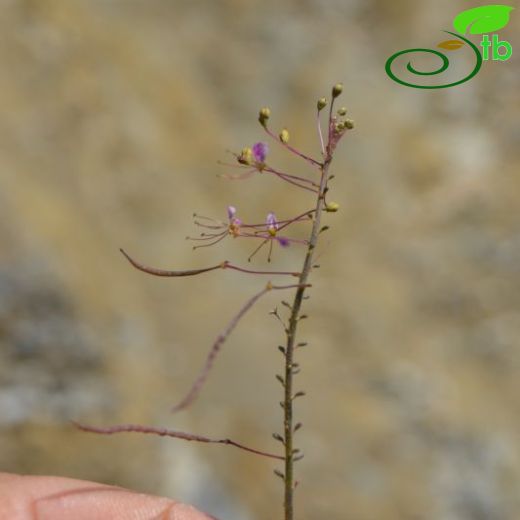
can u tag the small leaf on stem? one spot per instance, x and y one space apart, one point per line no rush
278 437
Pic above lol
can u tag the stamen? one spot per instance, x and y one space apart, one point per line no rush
200 224
207 236
238 177
211 243
257 249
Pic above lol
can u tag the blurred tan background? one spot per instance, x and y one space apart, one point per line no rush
114 114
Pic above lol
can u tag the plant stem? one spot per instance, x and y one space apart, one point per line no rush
165 432
291 339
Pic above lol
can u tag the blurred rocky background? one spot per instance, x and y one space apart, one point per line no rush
114 114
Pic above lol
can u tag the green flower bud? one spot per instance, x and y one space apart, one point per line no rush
322 103
337 89
349 123
332 207
246 156
284 136
342 111
264 115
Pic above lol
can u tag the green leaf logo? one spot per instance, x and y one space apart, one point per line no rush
483 19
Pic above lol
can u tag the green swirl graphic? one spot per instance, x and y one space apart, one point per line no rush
442 68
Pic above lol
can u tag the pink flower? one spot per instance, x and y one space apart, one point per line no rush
271 221
217 230
283 241
272 224
231 211
260 151
272 229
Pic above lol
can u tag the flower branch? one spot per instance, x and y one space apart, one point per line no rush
192 272
165 432
263 117
196 387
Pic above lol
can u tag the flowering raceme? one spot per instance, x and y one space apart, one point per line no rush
253 160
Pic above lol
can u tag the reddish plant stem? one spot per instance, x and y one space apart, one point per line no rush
192 272
250 271
294 177
164 432
284 223
194 391
290 454
314 162
163 272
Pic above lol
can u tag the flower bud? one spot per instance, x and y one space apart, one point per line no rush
246 156
349 123
284 136
264 115
339 127
337 89
342 111
332 207
322 103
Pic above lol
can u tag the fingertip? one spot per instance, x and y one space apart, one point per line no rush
181 511
57 498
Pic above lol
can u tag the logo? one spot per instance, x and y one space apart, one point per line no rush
480 20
